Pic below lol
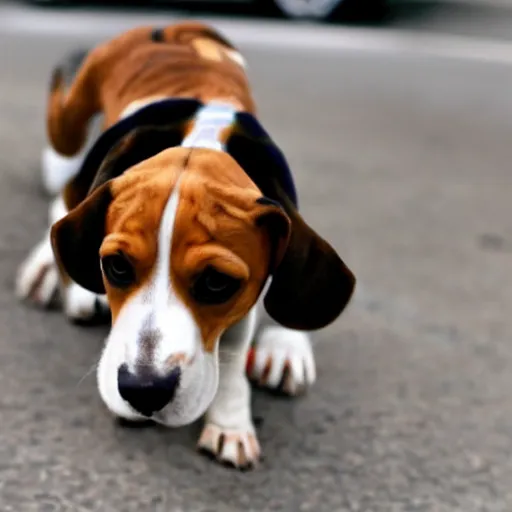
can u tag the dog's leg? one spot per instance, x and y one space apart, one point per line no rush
229 433
281 359
71 104
39 281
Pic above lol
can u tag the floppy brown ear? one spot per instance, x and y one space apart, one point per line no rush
77 237
311 285
272 217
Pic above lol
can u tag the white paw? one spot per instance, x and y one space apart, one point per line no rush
81 305
282 359
37 278
233 447
57 170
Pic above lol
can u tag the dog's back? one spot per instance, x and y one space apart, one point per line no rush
186 60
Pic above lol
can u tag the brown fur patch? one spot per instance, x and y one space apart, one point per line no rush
188 63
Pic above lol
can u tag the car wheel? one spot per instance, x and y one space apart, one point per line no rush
353 10
307 9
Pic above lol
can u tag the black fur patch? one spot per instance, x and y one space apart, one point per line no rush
255 152
77 238
155 127
157 35
266 201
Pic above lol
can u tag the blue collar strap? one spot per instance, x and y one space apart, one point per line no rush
249 144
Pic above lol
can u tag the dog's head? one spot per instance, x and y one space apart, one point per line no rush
183 243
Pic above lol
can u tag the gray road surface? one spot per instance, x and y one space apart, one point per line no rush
404 163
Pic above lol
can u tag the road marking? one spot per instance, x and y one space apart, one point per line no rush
263 34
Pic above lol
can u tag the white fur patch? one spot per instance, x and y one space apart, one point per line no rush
136 105
156 309
237 57
37 278
57 170
81 304
278 349
239 447
209 123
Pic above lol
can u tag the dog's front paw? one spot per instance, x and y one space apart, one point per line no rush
37 279
83 306
232 447
282 360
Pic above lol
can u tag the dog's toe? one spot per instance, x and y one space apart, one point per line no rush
282 360
234 448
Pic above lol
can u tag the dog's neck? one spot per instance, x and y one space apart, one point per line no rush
217 125
210 126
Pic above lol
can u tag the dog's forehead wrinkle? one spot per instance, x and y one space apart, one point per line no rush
129 207
187 158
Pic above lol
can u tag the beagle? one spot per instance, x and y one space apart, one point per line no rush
181 220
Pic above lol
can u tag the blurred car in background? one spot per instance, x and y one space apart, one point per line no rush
318 10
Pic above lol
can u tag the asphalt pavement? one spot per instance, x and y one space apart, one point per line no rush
402 160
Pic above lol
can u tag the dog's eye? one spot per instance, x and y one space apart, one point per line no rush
214 287
118 270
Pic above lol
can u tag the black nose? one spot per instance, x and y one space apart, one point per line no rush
147 394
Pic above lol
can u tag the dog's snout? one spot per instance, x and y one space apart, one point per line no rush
147 393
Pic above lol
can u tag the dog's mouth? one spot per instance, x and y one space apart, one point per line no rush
177 399
197 391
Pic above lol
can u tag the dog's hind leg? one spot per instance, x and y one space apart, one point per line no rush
39 281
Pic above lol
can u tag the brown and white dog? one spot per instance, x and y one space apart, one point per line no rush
182 221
